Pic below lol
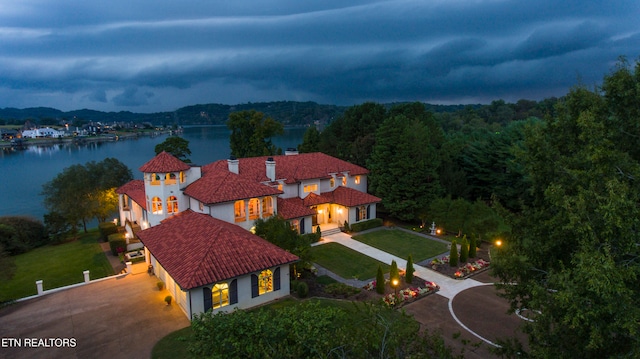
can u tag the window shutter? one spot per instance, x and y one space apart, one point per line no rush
254 286
276 279
357 213
302 231
208 301
368 212
233 292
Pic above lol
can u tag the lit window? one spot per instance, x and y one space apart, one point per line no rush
220 295
362 213
357 180
295 224
239 211
181 177
279 186
310 188
201 206
267 206
170 178
332 183
344 181
254 208
265 282
155 179
172 204
156 205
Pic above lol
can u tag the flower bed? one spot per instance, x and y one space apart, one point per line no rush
464 270
404 295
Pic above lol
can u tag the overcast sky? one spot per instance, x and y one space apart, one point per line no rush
159 55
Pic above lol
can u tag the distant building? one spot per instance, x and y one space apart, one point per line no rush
46 132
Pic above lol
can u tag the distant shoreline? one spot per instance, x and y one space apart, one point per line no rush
83 139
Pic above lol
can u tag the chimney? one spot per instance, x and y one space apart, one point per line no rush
233 163
271 169
290 151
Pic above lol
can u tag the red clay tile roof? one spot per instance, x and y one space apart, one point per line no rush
163 163
293 208
197 249
292 168
224 186
313 199
135 190
350 197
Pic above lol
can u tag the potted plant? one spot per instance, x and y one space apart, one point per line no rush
160 285
168 299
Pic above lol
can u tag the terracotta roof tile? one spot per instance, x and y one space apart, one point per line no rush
163 163
292 168
293 208
197 249
224 186
350 197
135 190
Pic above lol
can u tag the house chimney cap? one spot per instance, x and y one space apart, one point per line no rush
232 157
270 159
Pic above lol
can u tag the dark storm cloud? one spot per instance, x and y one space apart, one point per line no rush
120 55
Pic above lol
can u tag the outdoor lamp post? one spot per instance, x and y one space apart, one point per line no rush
394 283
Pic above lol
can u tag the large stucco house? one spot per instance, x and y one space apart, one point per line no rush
195 221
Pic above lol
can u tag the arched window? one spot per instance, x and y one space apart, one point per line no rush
239 211
265 282
220 295
267 206
332 182
254 208
156 205
155 179
344 181
170 178
172 204
181 177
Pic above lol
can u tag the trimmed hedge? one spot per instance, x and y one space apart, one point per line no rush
362 226
107 229
311 237
116 241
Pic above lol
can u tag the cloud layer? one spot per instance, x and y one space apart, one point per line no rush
155 56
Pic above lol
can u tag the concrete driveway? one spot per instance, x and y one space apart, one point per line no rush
115 318
481 312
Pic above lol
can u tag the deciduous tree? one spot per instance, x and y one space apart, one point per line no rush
177 146
251 134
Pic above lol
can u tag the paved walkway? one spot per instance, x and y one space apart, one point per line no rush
449 287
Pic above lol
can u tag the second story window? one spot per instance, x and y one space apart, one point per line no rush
267 206
310 188
240 214
357 180
172 204
254 208
170 178
156 205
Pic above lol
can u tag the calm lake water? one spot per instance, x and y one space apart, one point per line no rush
23 172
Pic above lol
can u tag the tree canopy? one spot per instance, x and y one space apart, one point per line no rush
177 146
81 192
574 251
251 134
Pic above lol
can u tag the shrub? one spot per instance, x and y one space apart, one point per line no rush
341 289
160 285
311 237
168 299
362 226
302 289
380 281
453 254
393 272
408 277
472 247
346 226
116 241
464 250
107 229
21 234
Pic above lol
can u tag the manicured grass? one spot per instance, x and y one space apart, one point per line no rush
401 244
174 345
346 262
57 266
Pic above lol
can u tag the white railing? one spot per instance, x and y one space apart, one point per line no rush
87 280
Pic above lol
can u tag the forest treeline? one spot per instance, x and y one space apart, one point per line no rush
289 113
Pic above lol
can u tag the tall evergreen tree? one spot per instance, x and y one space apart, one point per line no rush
464 249
408 277
394 273
453 254
380 281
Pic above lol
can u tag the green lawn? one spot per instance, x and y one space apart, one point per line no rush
401 244
346 262
56 266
